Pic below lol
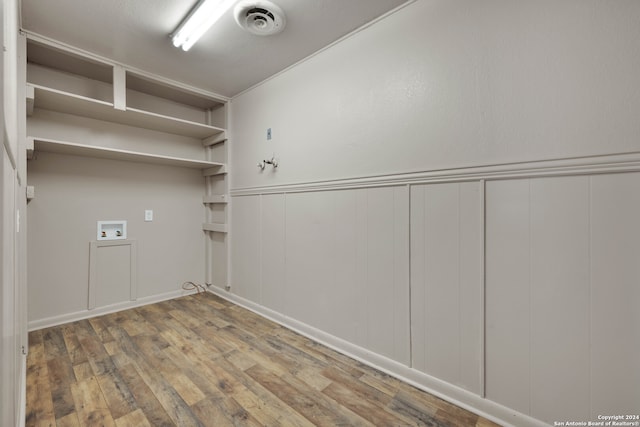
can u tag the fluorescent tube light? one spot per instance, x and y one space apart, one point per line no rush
201 18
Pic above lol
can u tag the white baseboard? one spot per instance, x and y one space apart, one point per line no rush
449 392
85 314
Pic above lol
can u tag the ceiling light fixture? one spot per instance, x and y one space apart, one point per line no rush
199 20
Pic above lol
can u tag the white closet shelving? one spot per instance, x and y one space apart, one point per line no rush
215 202
75 101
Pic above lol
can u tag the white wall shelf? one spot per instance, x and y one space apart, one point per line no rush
217 170
218 228
70 103
215 199
215 140
65 147
29 93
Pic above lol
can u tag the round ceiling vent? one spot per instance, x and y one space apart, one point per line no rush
259 17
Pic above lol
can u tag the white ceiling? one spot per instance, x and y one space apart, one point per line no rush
226 61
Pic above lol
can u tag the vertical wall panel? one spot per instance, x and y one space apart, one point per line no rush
310 257
560 298
446 261
272 247
615 275
348 319
361 262
329 227
417 277
442 326
380 269
387 272
245 250
401 291
470 303
507 294
347 254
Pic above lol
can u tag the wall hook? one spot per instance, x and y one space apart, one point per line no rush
273 162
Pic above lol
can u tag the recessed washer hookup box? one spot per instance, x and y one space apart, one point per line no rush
112 230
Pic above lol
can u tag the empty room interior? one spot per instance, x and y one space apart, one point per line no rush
320 212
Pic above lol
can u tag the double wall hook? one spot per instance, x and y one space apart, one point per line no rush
273 162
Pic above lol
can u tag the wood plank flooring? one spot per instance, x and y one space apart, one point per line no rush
202 361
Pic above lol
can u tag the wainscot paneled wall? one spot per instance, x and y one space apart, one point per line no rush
511 294
562 288
457 202
297 252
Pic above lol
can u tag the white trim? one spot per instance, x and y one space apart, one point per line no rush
22 400
610 163
47 322
456 395
8 150
483 288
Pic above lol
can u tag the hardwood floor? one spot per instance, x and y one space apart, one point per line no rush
202 361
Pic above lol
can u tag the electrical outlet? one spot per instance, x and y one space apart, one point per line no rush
269 134
148 215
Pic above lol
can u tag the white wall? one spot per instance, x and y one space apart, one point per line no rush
444 84
449 204
73 193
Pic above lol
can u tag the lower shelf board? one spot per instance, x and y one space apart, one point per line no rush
215 227
219 169
222 199
65 147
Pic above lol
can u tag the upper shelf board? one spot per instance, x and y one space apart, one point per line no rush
65 102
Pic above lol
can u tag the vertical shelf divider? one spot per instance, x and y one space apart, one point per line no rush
119 88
